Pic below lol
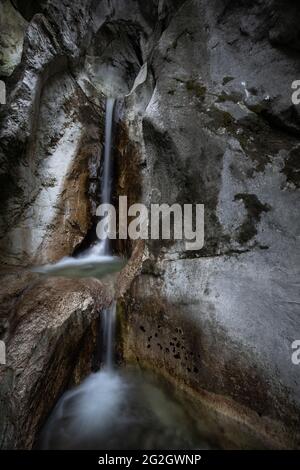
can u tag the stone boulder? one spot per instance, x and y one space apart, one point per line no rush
50 328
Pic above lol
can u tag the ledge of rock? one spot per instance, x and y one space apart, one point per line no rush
50 328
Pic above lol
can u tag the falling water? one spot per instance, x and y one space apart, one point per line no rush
108 335
107 174
97 261
102 248
116 409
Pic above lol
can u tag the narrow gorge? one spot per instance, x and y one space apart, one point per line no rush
141 343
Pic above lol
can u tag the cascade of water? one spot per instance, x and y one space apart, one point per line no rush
112 409
97 260
108 335
102 248
107 173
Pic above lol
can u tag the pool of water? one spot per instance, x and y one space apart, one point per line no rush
86 266
120 409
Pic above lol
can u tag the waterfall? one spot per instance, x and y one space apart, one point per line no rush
102 248
108 324
97 261
114 408
107 174
109 315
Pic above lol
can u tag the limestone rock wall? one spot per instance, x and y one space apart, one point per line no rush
220 128
51 138
207 118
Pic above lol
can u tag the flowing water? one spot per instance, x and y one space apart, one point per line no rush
120 409
97 260
108 335
102 248
117 408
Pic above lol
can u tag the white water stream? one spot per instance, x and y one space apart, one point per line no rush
97 261
115 408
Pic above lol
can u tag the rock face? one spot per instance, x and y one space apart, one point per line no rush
207 118
50 152
51 135
220 128
11 39
50 330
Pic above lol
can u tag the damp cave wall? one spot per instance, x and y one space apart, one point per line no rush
211 121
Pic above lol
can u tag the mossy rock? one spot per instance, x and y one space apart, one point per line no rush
196 88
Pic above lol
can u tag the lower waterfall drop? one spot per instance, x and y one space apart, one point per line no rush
108 335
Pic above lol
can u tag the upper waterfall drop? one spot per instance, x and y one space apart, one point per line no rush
96 261
102 247
107 173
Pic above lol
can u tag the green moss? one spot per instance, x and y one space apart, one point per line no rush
292 167
257 108
196 88
221 119
227 97
227 119
254 210
227 79
243 139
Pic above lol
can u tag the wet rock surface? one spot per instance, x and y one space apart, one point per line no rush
220 129
51 142
50 328
210 120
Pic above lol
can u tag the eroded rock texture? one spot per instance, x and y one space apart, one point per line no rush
207 118
50 328
51 139
220 128
50 151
